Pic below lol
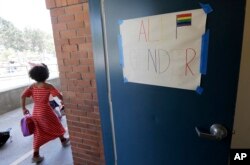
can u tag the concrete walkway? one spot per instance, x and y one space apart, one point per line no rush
19 151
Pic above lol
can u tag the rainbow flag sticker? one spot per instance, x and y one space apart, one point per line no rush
184 19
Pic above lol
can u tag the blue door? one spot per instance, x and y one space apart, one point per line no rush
154 125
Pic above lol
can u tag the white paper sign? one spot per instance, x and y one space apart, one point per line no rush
163 50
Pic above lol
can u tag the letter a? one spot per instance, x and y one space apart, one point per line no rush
237 156
142 31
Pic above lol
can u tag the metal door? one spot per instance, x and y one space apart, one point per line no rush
155 125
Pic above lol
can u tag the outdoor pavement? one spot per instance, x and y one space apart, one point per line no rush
19 150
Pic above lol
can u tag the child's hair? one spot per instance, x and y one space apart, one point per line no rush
39 73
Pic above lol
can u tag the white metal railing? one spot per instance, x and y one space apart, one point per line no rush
13 76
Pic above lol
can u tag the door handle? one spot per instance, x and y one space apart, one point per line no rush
217 132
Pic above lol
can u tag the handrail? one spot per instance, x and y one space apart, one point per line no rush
13 76
21 70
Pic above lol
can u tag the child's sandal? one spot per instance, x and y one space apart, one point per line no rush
37 159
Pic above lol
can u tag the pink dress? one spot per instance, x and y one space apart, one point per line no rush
47 125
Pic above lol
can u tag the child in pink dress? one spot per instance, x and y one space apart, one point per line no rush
47 125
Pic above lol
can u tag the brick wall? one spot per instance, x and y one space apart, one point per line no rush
72 36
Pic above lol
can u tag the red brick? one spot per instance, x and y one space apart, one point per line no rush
68 62
65 68
93 83
90 90
90 54
71 2
62 75
70 106
90 159
75 129
62 41
84 0
82 69
66 18
93 115
84 96
87 29
86 61
74 118
83 83
79 54
57 12
50 4
68 34
86 12
58 48
70 94
80 89
72 88
56 35
69 48
75 25
80 32
59 26
73 9
79 16
71 82
63 81
78 41
63 55
54 20
89 75
88 39
91 69
60 3
64 2
85 46
95 98
59 62
73 75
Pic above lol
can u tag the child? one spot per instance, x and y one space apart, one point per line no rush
47 125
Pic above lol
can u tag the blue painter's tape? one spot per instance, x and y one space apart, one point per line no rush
206 7
125 80
120 21
120 50
204 52
199 90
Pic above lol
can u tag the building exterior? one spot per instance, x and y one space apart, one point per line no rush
72 37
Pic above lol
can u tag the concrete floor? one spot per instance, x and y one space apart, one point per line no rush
19 151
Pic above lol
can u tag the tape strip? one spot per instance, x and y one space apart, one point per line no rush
120 22
206 7
120 50
204 52
125 80
199 90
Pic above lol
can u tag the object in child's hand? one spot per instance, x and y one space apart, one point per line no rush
27 125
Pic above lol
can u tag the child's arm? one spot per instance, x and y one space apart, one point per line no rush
60 97
55 93
26 93
23 105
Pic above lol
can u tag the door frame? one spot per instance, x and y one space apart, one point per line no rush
241 134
